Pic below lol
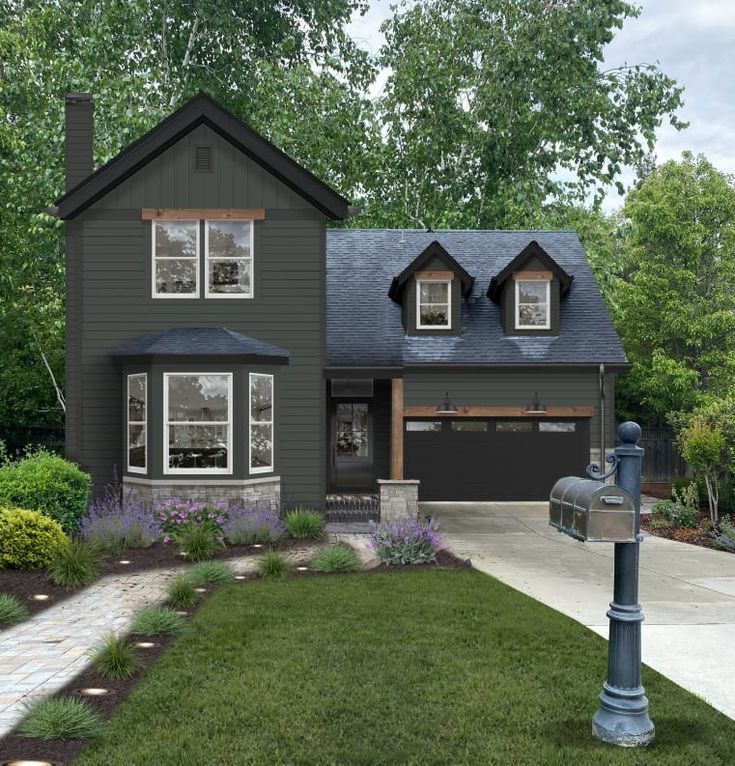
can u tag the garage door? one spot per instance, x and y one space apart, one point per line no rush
493 458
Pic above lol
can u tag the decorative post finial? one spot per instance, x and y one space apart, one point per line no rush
629 432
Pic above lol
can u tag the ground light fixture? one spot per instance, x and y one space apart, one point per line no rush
446 407
93 691
182 613
145 644
124 561
240 577
257 545
24 762
200 590
302 569
536 407
40 597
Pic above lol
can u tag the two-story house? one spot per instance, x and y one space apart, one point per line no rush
222 341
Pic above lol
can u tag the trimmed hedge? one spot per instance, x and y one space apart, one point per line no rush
28 539
47 483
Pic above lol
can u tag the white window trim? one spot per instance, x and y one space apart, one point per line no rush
144 423
167 296
249 295
547 325
446 282
251 423
166 423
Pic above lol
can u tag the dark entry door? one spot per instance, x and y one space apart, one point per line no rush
352 448
491 458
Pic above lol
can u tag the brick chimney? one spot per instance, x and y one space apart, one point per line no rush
79 139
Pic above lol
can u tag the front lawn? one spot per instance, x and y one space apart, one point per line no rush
411 667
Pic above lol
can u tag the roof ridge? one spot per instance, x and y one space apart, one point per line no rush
452 231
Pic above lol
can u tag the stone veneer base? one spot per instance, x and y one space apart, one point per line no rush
398 499
263 491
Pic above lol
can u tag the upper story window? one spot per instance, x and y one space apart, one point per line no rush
229 246
220 250
175 259
137 412
197 432
433 305
532 302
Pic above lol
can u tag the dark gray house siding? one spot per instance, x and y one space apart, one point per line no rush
113 277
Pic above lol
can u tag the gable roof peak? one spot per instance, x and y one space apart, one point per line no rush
433 250
531 250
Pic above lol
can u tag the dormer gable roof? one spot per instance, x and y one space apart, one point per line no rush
532 250
432 251
202 109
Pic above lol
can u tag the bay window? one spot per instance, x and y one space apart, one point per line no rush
261 422
198 422
137 409
175 259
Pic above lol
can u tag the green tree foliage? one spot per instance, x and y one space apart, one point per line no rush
491 104
703 447
675 302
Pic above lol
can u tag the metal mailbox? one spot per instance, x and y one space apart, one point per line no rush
592 511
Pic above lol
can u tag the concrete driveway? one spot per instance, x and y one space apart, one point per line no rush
687 593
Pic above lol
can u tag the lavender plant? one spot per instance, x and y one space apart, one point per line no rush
114 525
247 524
406 542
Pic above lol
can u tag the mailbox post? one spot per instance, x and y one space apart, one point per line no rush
592 511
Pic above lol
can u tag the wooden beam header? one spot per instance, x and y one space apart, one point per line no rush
198 213
545 275
500 412
435 276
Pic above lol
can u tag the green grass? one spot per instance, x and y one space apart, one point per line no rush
209 573
336 558
11 610
60 718
158 621
115 657
421 668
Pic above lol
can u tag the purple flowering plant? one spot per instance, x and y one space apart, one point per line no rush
247 524
176 515
406 542
113 523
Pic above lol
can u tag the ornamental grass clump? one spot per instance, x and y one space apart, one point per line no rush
62 717
248 524
272 566
198 541
180 592
302 523
406 542
115 658
209 573
336 558
76 563
158 621
11 610
115 525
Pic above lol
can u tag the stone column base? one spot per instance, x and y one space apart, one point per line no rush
398 499
264 491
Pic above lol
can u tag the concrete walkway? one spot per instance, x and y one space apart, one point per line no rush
687 592
40 656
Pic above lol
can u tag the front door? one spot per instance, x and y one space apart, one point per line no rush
352 449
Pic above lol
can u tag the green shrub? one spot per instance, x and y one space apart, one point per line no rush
659 522
28 539
76 563
62 717
272 566
302 523
198 541
209 573
158 621
180 592
681 510
115 658
11 610
47 483
336 558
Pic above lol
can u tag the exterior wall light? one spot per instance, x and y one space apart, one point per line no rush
446 407
536 407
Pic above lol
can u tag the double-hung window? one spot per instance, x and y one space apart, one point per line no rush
228 246
433 305
175 259
197 434
532 304
261 422
137 409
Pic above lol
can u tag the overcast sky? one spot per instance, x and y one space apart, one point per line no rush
692 40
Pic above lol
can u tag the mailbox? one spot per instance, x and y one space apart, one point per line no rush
592 511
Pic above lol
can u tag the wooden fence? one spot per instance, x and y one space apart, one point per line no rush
662 460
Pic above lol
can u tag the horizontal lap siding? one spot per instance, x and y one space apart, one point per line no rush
288 308
513 389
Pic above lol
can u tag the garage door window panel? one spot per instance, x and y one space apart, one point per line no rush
423 425
514 427
553 427
469 426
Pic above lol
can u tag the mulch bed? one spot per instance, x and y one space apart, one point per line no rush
62 752
24 584
696 535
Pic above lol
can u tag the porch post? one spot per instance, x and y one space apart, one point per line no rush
396 429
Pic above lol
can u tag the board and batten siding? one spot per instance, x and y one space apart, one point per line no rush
515 388
115 304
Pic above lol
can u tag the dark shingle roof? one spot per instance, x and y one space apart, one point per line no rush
364 325
202 341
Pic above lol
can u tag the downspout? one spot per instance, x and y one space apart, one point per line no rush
602 416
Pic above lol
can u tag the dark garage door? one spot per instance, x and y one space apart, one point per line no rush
493 458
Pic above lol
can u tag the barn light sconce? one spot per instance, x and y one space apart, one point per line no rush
446 407
536 407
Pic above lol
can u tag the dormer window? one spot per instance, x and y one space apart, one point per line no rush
433 305
532 302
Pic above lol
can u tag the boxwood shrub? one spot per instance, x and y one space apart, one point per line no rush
45 482
28 539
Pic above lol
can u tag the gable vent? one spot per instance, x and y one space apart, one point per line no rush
202 159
